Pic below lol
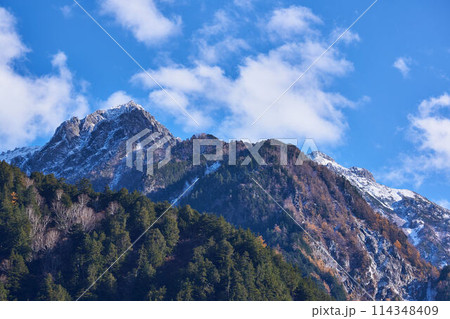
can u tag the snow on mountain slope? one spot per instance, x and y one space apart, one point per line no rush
20 152
94 147
364 180
425 223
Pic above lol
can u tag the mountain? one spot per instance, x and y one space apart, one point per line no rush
336 237
93 147
19 154
426 224
57 239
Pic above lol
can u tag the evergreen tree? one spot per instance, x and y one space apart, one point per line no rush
53 291
17 272
3 292
184 256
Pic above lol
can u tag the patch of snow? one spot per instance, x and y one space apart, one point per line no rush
117 176
21 151
407 209
413 234
398 220
407 193
126 107
385 195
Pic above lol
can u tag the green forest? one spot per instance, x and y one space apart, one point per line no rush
56 239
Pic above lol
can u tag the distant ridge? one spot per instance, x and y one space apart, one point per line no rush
426 223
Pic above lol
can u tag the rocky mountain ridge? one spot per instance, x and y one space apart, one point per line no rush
93 147
365 242
426 223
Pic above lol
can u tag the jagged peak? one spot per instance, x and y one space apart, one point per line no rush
362 172
324 159
364 180
318 155
112 113
131 116
127 106
120 109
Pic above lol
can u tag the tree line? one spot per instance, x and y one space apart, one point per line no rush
56 239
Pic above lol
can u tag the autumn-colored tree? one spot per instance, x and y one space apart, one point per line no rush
14 198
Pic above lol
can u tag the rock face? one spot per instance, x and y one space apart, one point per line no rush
338 232
19 154
94 147
343 234
426 224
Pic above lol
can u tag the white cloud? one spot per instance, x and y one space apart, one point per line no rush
216 52
433 104
409 169
165 102
12 46
430 130
142 18
221 23
178 78
307 110
202 82
348 37
66 10
244 3
217 41
403 65
292 21
115 99
32 106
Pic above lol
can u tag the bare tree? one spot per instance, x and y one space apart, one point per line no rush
113 208
86 217
83 199
59 193
64 216
38 229
28 182
5 266
39 199
51 238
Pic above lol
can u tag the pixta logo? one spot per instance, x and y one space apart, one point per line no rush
139 144
145 144
218 145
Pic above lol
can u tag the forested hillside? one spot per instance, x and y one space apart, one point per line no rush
366 244
375 252
56 239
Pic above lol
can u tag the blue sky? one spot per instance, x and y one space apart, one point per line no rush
378 99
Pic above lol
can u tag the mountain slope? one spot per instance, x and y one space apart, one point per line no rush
67 236
19 154
372 250
426 224
381 262
94 147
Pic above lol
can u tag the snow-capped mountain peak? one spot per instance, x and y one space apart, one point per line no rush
94 146
425 223
364 180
